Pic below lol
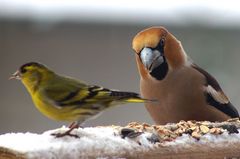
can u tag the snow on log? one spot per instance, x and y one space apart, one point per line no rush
186 139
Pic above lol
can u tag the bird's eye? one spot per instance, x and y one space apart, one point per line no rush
162 42
23 70
160 46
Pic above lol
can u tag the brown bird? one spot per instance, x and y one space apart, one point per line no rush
184 90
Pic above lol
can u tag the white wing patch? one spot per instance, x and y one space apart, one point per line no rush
219 96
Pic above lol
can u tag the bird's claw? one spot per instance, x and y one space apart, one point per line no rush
68 132
58 135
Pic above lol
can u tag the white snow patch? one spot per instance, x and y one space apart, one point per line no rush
102 142
97 141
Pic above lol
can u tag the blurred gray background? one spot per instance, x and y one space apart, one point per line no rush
92 42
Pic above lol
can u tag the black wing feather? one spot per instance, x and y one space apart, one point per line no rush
226 107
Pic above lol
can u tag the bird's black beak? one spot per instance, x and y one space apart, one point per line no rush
151 58
16 75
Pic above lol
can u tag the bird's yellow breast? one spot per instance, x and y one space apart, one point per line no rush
53 112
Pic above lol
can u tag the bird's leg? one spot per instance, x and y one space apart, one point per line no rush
76 124
73 125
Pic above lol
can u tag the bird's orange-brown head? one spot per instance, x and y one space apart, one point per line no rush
157 51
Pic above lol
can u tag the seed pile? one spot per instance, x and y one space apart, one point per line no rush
170 132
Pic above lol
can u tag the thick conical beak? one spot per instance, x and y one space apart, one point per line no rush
151 58
16 75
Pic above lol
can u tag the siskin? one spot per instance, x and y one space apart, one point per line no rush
66 99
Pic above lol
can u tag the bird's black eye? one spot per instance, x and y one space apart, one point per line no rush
160 46
162 42
23 70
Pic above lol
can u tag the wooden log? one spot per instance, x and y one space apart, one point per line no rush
182 140
6 153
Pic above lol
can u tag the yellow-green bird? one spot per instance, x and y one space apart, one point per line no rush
66 99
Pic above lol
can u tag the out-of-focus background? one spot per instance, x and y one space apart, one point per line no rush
91 40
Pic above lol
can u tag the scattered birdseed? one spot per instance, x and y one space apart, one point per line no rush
170 132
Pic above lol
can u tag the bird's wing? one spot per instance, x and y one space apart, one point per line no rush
75 94
95 95
215 96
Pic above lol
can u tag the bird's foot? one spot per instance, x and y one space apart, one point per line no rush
68 132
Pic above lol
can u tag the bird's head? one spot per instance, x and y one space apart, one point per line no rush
157 52
31 74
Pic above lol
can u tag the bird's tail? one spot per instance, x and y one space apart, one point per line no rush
130 97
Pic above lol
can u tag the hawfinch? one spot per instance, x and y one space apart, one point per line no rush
184 90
